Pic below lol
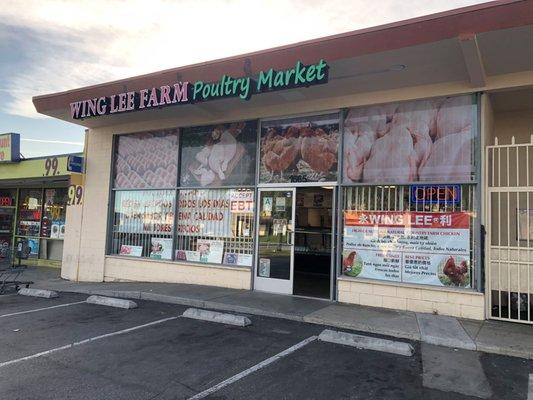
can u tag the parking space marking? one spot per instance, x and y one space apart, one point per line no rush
253 369
41 309
85 341
530 388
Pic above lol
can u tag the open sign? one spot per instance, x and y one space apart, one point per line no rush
431 194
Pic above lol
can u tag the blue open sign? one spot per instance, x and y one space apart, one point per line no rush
432 194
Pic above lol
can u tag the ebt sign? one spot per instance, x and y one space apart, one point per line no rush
186 92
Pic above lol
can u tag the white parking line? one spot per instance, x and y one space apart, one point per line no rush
530 388
85 341
251 370
41 309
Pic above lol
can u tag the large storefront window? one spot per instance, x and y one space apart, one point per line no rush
143 223
303 149
218 155
215 226
396 229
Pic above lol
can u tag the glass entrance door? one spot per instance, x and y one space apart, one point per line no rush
275 241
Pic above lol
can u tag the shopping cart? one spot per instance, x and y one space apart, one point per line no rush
10 274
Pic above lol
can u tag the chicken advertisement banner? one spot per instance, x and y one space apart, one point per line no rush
413 247
300 150
219 155
147 160
425 140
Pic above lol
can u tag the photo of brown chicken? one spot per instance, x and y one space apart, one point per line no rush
456 273
303 151
281 149
318 149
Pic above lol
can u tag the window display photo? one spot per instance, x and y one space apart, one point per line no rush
146 160
303 149
219 155
423 140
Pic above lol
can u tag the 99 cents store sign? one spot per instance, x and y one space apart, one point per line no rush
185 92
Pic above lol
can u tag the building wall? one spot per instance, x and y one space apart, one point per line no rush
456 303
127 269
513 123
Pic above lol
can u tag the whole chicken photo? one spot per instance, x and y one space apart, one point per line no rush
457 274
212 161
424 140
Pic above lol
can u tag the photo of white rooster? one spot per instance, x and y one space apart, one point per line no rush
425 140
300 150
218 155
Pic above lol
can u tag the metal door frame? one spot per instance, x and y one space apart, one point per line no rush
495 187
272 285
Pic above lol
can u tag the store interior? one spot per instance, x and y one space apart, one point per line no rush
312 242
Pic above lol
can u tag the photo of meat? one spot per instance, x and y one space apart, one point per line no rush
425 140
218 155
147 160
454 271
300 149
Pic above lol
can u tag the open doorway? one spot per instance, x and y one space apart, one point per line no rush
312 241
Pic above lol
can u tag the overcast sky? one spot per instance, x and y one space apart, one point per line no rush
51 46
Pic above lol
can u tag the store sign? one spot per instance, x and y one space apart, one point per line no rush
441 194
414 247
75 164
10 147
186 92
241 201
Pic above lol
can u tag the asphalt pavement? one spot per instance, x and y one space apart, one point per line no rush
64 348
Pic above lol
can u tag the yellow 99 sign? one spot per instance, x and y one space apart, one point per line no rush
75 195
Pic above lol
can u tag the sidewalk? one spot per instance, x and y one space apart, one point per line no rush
486 336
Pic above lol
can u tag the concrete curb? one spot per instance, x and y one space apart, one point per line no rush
44 293
111 302
367 342
444 331
363 328
213 316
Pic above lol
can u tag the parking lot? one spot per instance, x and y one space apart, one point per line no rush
65 348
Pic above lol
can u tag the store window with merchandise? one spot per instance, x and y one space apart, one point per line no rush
41 221
410 192
8 201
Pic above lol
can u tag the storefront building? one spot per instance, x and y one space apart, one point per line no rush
34 194
358 168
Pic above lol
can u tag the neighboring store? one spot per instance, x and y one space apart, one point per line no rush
352 168
34 194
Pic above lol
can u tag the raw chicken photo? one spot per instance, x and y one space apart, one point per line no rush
300 150
424 140
217 155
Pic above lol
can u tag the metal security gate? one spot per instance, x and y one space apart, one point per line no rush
509 243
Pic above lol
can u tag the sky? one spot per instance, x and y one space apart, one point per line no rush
52 46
